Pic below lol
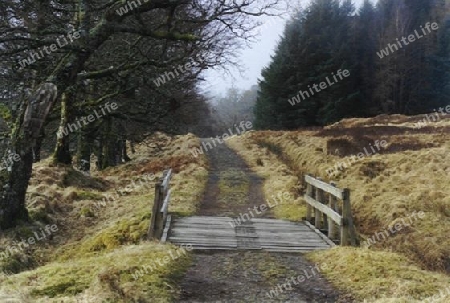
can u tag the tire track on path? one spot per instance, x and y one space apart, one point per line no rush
246 276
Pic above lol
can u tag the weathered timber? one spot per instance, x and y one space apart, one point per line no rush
327 212
160 207
207 233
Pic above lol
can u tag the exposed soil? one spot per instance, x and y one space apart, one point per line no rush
247 276
242 186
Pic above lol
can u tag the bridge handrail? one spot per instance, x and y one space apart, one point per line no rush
160 206
327 212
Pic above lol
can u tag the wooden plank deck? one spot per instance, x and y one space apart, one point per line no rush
218 233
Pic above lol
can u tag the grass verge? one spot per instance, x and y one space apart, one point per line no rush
101 243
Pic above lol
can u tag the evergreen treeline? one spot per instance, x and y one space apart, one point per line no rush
330 35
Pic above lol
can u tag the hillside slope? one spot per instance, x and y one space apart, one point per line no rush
408 174
96 251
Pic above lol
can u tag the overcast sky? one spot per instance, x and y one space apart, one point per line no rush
252 59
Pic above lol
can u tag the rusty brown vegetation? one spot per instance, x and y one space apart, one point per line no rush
410 174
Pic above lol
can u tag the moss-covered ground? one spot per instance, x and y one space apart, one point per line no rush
100 246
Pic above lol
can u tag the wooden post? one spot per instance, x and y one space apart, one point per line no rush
331 224
346 218
318 214
328 211
309 192
159 214
156 218
324 216
159 223
351 226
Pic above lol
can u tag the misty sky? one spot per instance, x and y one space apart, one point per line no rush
253 59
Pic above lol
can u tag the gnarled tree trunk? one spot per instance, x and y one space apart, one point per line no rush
84 150
14 180
62 154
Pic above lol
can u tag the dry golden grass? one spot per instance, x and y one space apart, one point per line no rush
380 276
106 277
410 175
432 120
99 245
278 177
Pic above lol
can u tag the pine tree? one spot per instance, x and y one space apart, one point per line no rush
387 75
306 56
365 56
280 83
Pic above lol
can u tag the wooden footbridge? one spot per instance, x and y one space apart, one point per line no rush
328 207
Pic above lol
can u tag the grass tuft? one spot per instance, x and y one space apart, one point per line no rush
409 175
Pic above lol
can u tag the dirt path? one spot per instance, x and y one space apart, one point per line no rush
247 276
232 187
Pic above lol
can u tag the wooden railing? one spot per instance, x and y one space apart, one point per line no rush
329 213
160 218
